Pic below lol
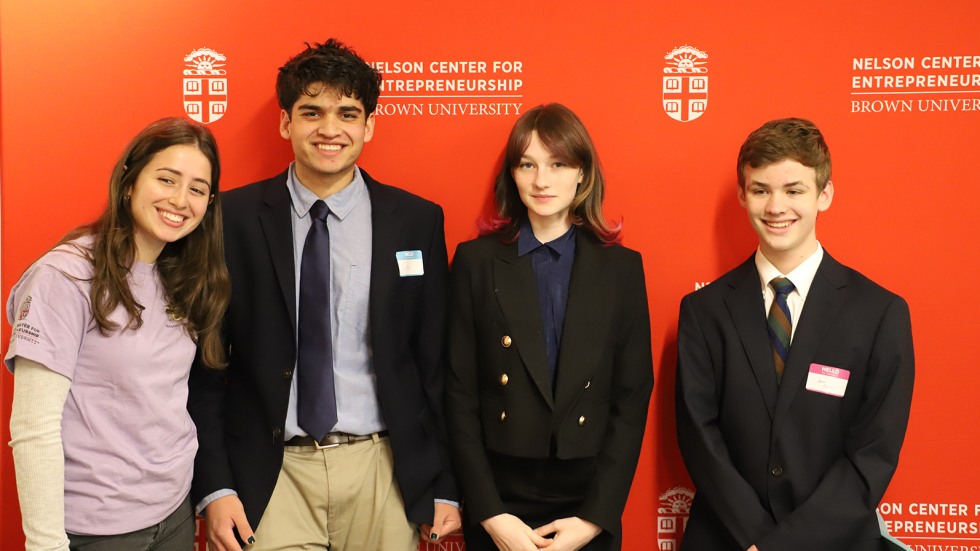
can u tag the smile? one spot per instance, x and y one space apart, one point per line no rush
785 224
328 147
175 218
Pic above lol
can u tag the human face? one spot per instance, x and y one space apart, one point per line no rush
327 132
169 198
782 201
547 187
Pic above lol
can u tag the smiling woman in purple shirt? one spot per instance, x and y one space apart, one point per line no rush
105 327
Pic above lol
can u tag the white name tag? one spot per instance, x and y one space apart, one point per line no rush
827 380
409 263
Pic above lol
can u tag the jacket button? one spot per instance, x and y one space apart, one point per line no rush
581 421
286 374
506 341
776 471
503 415
503 379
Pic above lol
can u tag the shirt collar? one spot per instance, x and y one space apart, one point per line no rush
801 276
527 242
340 203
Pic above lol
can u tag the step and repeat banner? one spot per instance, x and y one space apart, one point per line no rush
668 91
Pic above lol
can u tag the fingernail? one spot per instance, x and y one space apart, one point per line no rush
433 536
251 540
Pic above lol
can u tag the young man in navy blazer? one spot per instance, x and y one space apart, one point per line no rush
791 423
380 468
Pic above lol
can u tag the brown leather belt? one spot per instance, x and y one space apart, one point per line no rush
333 439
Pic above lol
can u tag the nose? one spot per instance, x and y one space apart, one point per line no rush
776 203
541 179
328 126
179 197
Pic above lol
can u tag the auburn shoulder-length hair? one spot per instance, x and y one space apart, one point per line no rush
564 136
193 271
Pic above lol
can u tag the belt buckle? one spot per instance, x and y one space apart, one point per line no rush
316 443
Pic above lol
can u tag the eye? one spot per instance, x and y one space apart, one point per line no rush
347 116
526 165
309 114
758 191
559 164
200 191
166 180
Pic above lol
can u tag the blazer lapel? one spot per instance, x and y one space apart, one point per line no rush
823 301
277 228
590 300
747 309
517 295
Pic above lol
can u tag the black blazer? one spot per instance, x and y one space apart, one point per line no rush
779 466
240 412
604 374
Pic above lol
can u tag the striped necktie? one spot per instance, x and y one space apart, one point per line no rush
780 323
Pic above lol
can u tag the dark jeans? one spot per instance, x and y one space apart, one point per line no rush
174 533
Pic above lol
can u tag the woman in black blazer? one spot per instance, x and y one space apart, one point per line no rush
549 351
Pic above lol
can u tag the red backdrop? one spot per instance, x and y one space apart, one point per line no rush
81 78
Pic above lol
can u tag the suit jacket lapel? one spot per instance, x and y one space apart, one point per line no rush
277 228
590 298
823 301
517 295
747 309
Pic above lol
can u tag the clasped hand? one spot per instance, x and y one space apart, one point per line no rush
510 533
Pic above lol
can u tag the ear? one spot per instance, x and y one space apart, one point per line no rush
826 197
369 128
740 190
284 122
211 199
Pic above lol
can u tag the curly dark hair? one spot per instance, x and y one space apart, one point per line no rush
331 64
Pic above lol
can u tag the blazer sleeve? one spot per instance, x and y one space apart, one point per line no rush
629 403
429 345
848 494
205 403
699 436
463 397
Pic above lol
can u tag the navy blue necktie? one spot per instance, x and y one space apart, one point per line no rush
780 323
317 398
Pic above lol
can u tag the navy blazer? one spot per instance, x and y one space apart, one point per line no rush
499 390
240 412
777 465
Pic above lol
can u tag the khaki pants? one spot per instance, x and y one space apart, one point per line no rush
343 498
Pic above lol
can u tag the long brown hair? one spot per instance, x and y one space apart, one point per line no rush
564 136
193 271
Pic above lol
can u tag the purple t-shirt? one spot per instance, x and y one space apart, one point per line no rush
128 439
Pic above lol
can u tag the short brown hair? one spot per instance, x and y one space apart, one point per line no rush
796 139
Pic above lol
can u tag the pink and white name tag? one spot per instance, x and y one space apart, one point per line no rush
827 380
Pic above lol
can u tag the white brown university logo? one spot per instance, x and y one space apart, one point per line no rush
205 85
685 83
675 508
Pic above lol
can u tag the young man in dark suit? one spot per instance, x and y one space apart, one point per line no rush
326 428
794 372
